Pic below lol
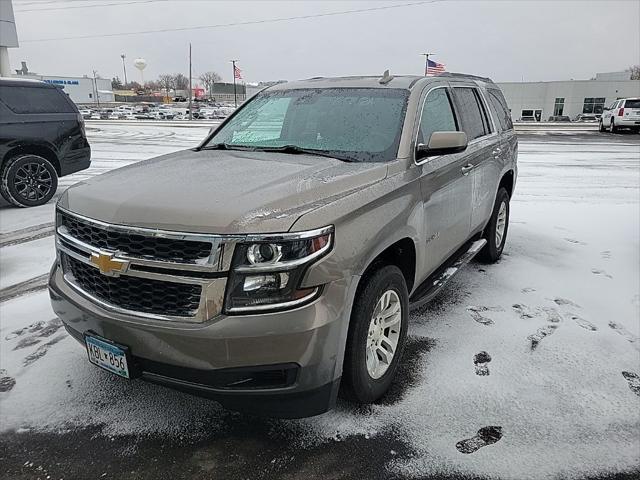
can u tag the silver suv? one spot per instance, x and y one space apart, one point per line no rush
276 263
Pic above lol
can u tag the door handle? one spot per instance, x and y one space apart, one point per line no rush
467 168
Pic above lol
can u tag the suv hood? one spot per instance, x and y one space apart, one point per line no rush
215 191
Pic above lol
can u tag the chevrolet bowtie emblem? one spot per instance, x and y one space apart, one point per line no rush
107 264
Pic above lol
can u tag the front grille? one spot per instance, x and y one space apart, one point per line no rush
133 293
148 247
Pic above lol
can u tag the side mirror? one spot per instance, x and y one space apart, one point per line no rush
605 108
442 143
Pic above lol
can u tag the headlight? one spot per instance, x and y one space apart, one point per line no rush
266 271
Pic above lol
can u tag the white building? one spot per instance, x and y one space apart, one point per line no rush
569 97
84 90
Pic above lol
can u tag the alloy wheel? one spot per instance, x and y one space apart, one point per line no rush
33 181
501 224
384 333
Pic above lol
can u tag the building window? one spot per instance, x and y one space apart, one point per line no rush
593 105
558 107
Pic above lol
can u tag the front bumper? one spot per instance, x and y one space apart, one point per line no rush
301 350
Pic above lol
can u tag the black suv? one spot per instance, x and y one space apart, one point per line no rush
42 138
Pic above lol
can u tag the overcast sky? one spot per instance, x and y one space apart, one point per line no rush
505 40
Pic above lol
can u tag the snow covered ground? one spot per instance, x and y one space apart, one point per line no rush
558 317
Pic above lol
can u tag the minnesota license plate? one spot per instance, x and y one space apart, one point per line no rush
107 355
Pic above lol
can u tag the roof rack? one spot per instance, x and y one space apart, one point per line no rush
464 75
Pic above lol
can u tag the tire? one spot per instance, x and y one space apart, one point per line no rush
28 180
601 127
612 127
492 251
358 383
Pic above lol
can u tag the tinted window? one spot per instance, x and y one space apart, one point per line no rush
474 121
35 100
499 105
632 104
437 115
358 124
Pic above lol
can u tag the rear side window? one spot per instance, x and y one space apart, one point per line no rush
474 119
35 100
499 105
632 104
437 115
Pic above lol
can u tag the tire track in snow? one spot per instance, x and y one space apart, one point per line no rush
28 234
22 288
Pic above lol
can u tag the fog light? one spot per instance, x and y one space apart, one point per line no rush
272 281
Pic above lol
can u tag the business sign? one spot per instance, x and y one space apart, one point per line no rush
62 82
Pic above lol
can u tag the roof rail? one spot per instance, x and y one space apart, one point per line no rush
464 75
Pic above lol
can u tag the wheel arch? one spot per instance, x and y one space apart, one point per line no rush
402 254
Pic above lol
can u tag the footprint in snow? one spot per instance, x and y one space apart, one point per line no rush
634 381
541 333
606 254
480 360
563 301
528 290
586 324
524 311
41 351
485 436
475 312
6 382
630 337
34 327
574 241
553 315
43 331
597 271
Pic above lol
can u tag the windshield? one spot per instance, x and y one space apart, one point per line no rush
355 124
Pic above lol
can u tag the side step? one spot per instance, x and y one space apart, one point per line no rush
434 283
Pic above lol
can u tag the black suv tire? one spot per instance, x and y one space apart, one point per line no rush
492 251
357 383
28 180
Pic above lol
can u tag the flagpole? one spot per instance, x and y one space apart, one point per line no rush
426 63
235 94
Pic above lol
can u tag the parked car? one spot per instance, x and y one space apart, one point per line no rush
275 264
623 113
86 113
42 138
586 117
559 118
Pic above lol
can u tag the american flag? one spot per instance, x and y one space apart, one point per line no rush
237 73
434 68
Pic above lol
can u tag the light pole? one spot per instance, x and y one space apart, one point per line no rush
190 88
426 63
235 95
124 68
95 84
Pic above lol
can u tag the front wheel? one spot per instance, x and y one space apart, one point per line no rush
612 127
601 127
28 180
496 231
377 334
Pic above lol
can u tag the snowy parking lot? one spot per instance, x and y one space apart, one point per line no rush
529 368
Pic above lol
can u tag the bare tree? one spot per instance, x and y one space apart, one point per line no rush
208 79
166 82
152 85
635 72
180 82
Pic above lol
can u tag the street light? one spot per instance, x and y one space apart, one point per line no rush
124 68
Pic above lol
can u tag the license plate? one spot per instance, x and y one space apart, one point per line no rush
106 355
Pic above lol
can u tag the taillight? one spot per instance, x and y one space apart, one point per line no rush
621 112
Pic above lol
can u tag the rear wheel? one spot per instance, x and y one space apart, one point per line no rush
377 334
28 180
496 231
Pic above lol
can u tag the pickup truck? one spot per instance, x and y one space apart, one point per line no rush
274 266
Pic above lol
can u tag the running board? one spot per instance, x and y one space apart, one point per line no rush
435 282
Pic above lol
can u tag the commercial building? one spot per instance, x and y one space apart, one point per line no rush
540 100
82 90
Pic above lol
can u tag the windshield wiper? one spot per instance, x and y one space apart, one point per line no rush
224 146
295 149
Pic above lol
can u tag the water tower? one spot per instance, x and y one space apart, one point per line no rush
140 64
